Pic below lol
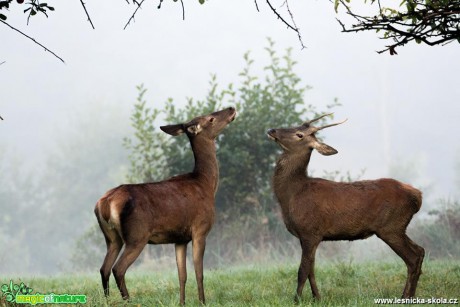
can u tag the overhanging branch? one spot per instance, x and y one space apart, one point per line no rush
32 39
422 23
87 15
134 14
278 15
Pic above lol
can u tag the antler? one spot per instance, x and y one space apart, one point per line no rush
330 125
308 123
316 119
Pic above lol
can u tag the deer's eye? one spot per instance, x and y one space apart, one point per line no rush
211 119
299 135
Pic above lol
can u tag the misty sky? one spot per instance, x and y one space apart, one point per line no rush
402 110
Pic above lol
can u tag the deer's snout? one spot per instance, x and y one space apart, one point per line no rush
271 133
233 110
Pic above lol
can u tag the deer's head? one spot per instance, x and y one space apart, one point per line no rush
302 139
206 126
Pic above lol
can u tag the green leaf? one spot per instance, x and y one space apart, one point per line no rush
201 1
33 12
2 17
336 6
50 8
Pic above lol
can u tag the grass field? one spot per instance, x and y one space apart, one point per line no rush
340 284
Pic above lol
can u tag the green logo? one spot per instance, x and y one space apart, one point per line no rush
22 294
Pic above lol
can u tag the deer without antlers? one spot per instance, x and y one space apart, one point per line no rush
177 210
316 209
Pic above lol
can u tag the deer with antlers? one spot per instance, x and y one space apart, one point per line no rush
316 209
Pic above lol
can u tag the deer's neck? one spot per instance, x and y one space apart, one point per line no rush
206 167
290 171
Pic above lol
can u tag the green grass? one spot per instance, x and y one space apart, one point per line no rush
340 284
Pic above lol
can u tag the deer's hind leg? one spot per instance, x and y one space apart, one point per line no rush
114 245
129 255
411 253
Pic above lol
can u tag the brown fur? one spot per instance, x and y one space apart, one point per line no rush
177 210
316 210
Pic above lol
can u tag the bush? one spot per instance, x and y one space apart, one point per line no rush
248 223
440 236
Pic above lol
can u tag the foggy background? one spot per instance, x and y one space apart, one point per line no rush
64 123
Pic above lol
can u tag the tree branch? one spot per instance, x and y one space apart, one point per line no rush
32 2
89 18
32 39
293 22
279 16
431 24
292 27
132 16
183 10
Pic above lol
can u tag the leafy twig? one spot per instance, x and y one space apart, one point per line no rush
32 39
35 7
432 23
31 10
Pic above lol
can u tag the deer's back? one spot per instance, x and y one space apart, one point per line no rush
168 211
338 210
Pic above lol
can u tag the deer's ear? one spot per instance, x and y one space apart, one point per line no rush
324 149
173 129
194 129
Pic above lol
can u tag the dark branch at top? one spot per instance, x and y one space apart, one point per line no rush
134 14
87 15
428 21
293 26
32 39
279 16
183 9
286 3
